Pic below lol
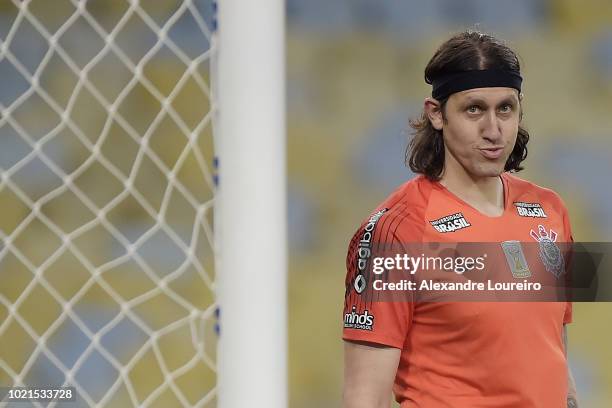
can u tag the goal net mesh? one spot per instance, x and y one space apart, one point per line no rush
107 274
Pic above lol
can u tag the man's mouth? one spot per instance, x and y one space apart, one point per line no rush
492 152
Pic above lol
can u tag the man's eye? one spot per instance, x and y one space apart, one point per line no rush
507 108
473 109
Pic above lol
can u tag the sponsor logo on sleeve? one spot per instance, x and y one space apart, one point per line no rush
364 250
532 210
450 223
359 321
360 284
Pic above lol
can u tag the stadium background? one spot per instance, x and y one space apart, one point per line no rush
355 77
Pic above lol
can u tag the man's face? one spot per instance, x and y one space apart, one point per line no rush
480 130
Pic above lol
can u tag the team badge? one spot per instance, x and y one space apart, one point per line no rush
516 259
550 254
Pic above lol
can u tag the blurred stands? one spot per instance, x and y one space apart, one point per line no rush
412 20
355 77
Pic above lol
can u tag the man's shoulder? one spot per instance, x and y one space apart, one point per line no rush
402 212
522 190
410 196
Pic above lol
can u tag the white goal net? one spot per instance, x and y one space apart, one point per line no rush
107 274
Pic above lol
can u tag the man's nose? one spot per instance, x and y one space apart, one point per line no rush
491 127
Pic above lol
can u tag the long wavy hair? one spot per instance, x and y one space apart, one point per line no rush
466 51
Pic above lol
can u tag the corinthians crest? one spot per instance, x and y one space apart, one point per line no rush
550 254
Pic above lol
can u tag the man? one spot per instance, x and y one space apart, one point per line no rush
460 354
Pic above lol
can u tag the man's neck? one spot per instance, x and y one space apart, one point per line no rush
486 194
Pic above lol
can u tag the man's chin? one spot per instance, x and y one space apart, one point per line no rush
488 171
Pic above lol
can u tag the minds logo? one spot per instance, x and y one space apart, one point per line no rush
359 321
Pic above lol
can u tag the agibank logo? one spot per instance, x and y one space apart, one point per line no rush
364 250
359 321
365 243
450 223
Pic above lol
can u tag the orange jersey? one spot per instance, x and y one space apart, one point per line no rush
464 354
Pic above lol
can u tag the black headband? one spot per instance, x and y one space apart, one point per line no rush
447 85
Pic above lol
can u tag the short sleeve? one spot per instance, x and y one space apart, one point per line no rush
567 227
568 235
567 316
365 317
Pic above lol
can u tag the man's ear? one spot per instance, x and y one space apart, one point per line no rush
431 107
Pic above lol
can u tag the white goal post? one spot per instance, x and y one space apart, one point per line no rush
252 292
126 271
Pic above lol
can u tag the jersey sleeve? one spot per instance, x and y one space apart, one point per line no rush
366 317
567 316
569 237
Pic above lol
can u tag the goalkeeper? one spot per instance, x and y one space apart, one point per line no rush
468 143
